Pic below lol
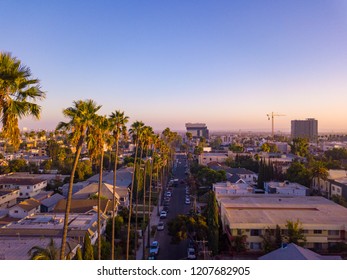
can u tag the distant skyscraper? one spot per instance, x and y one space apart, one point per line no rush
305 129
198 130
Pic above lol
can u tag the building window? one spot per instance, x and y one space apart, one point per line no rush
317 231
333 232
255 232
16 211
28 187
239 232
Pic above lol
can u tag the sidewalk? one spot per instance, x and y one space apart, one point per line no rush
154 220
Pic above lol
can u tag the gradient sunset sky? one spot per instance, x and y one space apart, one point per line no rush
224 63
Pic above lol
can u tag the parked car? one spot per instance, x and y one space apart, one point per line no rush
163 214
166 208
154 249
151 256
160 226
187 201
191 254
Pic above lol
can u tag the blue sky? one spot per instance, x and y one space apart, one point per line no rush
225 63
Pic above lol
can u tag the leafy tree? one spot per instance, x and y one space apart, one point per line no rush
78 255
216 143
272 239
238 243
87 252
18 165
182 227
339 200
336 153
212 223
298 173
299 147
294 233
198 150
269 148
18 94
236 148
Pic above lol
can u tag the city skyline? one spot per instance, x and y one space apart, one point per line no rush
226 64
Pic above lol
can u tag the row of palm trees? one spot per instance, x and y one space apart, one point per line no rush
19 94
99 133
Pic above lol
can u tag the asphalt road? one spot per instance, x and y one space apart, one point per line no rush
177 206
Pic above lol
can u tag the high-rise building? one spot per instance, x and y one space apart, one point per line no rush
197 130
305 129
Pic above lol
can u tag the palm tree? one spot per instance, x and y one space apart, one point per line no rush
118 127
18 94
51 252
97 139
82 116
135 130
319 171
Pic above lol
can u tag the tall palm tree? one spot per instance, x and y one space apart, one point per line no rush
82 116
51 252
18 94
118 128
319 171
97 139
136 131
147 141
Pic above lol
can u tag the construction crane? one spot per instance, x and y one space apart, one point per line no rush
272 116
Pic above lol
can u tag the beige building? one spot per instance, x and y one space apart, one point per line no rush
323 221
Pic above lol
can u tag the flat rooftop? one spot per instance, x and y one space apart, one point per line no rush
261 211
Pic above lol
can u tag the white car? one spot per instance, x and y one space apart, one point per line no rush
168 194
163 214
160 226
187 201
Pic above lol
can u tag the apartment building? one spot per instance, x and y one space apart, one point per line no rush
304 129
28 187
323 221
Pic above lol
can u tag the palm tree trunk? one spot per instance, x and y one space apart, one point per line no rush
68 201
114 199
149 201
144 208
99 203
137 199
131 202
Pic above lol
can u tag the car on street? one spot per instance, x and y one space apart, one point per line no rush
154 249
187 201
168 194
191 254
166 208
163 214
160 226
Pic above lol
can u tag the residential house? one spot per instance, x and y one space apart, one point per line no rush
48 204
80 206
285 188
25 208
8 198
206 158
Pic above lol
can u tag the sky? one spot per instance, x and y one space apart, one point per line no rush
224 63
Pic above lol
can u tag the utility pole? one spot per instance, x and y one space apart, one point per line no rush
204 250
272 116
